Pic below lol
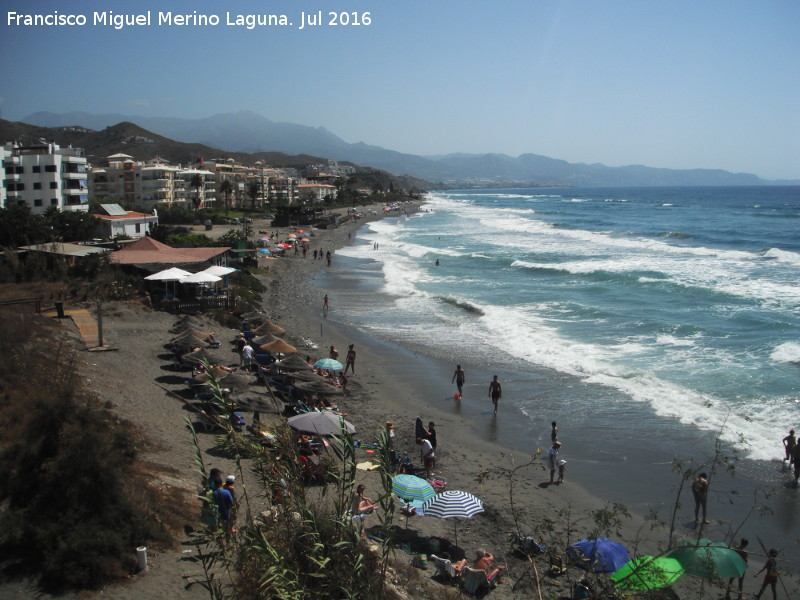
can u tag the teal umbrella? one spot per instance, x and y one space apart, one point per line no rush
329 364
708 560
648 573
411 488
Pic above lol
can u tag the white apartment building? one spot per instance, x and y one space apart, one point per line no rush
44 175
151 184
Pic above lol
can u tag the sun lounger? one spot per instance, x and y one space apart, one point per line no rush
444 568
475 580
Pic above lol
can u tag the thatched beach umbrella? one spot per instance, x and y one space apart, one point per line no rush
203 335
252 401
294 363
263 339
305 375
279 347
198 357
237 381
321 388
217 372
270 327
190 341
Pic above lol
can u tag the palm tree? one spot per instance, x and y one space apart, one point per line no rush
252 190
226 187
196 183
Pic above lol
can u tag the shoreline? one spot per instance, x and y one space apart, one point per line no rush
392 383
420 386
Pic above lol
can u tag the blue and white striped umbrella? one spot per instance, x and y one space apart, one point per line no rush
453 504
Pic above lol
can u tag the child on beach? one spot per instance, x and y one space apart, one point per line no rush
562 469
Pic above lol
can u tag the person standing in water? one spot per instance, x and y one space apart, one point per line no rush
459 377
495 391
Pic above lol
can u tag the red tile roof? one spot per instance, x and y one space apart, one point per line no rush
149 251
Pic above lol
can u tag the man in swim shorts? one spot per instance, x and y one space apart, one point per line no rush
459 378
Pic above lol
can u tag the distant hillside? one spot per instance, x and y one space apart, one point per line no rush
249 132
142 144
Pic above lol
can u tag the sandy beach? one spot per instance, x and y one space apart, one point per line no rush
391 383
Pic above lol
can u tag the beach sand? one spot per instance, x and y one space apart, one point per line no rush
391 383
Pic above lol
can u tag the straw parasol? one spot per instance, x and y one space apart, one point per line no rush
203 335
237 381
190 341
321 387
294 363
270 327
263 339
279 347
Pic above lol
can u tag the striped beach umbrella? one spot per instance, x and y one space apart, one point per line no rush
453 504
411 488
329 364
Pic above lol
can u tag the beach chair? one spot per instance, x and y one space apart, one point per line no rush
556 564
444 569
475 580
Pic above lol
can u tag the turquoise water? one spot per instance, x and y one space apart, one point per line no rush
680 305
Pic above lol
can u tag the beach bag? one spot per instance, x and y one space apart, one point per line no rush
420 561
528 544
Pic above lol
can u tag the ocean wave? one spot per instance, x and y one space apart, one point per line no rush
788 352
462 304
783 256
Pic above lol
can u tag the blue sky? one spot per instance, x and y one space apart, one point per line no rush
679 84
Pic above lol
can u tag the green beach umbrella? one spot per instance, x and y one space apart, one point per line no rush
708 560
648 573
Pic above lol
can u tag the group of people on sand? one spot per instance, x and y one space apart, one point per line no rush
484 561
792 449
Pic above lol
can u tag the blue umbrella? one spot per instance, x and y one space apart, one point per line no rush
411 487
329 364
264 251
600 555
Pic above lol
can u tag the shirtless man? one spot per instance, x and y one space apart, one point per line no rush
459 378
495 391
485 562
350 360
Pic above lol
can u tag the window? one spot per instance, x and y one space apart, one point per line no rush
53 185
37 169
138 228
50 168
20 170
53 201
37 202
37 185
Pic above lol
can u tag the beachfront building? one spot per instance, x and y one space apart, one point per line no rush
115 221
315 192
196 188
43 176
148 185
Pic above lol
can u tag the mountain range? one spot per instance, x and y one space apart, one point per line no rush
249 132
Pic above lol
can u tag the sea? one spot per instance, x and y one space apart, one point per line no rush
657 321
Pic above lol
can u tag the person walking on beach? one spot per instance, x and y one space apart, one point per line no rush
700 493
553 432
459 377
552 459
430 434
789 442
247 356
325 306
350 359
224 501
771 577
495 391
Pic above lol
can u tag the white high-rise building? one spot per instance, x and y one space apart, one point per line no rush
44 175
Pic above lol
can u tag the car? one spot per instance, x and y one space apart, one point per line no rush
268 216
247 220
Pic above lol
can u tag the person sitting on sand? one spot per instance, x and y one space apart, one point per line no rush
485 562
361 504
